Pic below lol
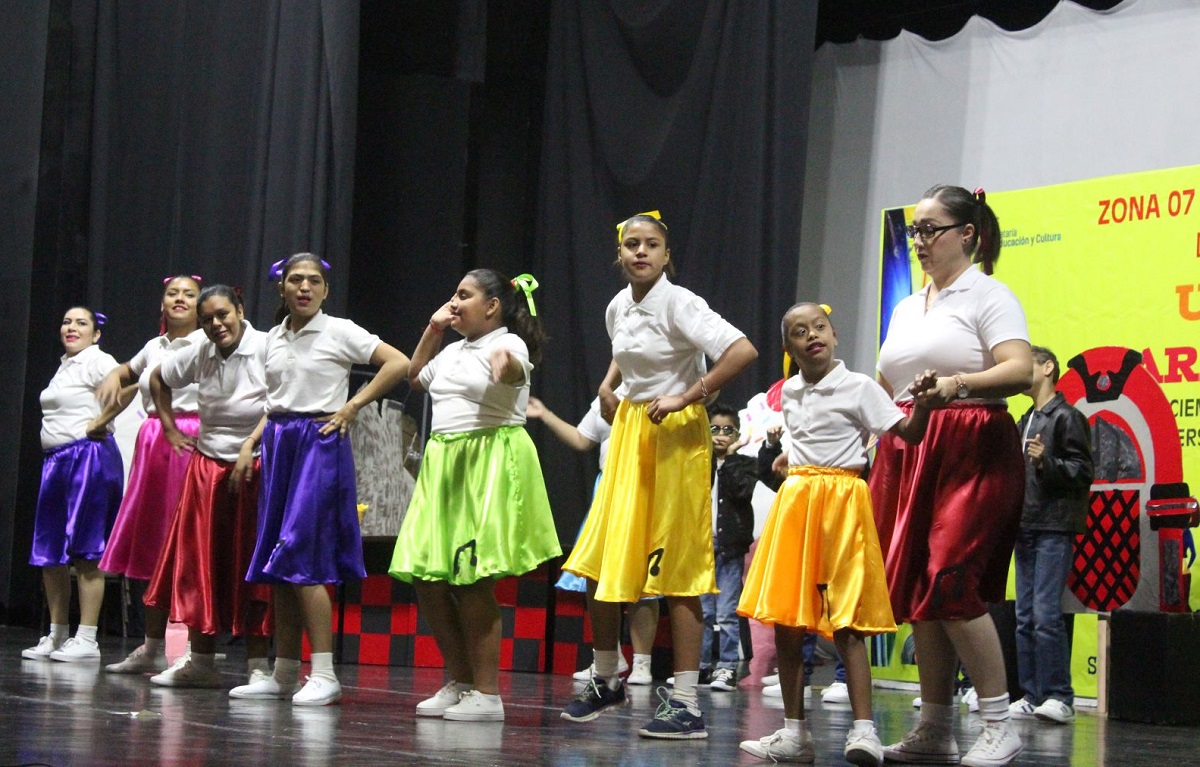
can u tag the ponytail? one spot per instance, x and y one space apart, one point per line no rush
972 208
516 300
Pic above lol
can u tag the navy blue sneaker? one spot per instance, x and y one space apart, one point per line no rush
595 699
673 721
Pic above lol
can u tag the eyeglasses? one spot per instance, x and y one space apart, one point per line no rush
929 231
727 431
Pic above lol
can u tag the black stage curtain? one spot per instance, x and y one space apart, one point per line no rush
697 109
224 138
185 137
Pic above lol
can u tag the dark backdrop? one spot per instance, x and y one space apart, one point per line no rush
696 109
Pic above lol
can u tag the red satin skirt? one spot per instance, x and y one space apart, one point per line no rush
201 575
947 511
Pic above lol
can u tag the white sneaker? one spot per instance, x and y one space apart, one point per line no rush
441 700
263 686
185 673
770 679
781 746
42 650
586 674
76 650
863 748
1022 709
776 691
970 699
837 692
640 674
998 745
927 743
318 691
473 707
138 662
1054 710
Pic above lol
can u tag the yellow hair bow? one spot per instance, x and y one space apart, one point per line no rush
654 214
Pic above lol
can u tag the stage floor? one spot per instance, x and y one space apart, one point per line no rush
75 714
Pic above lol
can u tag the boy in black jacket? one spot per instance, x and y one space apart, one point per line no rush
1058 476
734 477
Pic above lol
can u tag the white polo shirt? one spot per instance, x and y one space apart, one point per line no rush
593 427
966 321
309 371
660 342
459 382
69 401
830 421
151 356
232 392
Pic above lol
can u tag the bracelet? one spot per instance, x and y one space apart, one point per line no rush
703 388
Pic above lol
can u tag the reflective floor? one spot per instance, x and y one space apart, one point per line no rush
75 714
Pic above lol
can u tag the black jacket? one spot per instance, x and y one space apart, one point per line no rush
1056 494
735 515
767 453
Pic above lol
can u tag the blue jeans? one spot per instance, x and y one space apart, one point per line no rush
1043 648
808 649
721 609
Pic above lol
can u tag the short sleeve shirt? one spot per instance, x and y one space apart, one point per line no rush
231 392
596 429
966 321
459 382
828 422
660 342
309 371
69 401
151 356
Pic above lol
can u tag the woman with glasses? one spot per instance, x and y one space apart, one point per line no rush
947 510
649 530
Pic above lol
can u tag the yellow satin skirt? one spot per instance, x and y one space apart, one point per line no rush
649 531
818 564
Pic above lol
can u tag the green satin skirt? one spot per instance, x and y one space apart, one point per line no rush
479 510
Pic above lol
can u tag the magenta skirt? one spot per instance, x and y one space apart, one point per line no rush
947 511
155 481
78 501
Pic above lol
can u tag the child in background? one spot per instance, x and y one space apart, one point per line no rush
641 615
818 565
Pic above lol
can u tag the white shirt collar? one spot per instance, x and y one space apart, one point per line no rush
484 339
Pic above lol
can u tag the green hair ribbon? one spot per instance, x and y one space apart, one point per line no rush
527 284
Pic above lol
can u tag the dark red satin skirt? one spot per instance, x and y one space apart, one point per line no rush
947 511
201 575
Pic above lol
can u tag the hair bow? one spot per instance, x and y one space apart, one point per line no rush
195 278
101 318
527 284
980 196
654 214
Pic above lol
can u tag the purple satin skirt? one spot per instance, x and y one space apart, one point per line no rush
155 482
308 530
78 501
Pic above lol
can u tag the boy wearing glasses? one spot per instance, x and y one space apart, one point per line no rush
734 477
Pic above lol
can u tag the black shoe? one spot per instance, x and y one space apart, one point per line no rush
595 699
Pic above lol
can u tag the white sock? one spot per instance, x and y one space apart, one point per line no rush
59 632
322 666
938 714
204 660
287 671
641 658
86 633
994 709
257 664
685 690
796 727
606 667
154 647
863 726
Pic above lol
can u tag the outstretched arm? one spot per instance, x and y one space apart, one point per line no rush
560 428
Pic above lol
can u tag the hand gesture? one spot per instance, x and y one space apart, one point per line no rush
97 429
502 361
923 382
661 407
243 470
178 441
535 408
1035 449
109 390
774 434
442 317
339 421
608 404
780 465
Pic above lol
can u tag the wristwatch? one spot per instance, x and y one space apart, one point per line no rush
963 390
